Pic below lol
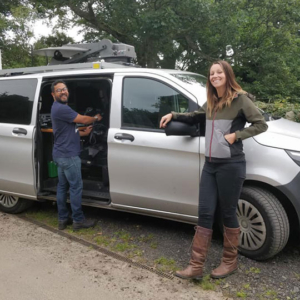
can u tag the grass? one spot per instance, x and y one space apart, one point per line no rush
138 253
122 247
297 275
47 217
146 239
153 245
271 293
207 284
164 264
218 281
123 235
241 294
268 294
253 271
102 240
88 233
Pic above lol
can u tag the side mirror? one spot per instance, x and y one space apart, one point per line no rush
181 129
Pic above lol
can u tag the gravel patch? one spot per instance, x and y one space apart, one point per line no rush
157 239
39 264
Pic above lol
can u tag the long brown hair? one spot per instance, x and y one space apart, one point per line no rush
231 88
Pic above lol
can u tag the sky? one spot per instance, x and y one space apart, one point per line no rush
42 29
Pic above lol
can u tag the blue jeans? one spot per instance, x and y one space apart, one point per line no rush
69 176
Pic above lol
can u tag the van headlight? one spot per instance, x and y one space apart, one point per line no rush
295 156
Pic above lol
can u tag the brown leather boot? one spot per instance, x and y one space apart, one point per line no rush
230 252
201 243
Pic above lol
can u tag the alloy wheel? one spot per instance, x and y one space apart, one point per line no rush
253 228
8 201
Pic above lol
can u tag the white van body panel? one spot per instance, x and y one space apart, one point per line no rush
154 171
267 164
17 171
282 133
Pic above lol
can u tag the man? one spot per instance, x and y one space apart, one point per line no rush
66 152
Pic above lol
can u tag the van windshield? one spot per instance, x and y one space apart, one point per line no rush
193 79
195 84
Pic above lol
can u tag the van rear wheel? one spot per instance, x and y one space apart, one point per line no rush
264 224
13 205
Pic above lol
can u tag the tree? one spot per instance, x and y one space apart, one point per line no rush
57 39
259 37
15 34
153 27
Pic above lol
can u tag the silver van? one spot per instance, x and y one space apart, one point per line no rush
130 164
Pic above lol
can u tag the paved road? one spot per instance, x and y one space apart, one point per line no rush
37 264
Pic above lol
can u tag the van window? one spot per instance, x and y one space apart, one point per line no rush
145 101
16 100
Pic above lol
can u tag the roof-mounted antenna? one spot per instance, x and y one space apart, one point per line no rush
79 53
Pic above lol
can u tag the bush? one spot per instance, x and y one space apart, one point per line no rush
280 108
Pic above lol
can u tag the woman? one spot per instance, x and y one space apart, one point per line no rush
227 109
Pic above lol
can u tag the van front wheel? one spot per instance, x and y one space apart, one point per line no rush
13 205
264 224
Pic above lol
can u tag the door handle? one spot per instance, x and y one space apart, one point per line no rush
20 131
124 136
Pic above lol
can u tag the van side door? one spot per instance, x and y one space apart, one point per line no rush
17 129
148 170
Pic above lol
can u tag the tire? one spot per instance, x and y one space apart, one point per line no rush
264 224
13 205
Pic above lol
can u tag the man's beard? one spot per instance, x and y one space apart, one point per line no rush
60 101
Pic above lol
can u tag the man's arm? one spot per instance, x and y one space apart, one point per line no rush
87 119
85 131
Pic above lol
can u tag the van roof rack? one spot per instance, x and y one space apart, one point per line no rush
101 55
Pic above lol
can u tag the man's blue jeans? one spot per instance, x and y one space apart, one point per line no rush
69 176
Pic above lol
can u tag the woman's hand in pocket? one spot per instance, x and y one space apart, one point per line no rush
230 138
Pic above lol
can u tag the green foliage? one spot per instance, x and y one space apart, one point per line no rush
164 264
279 108
47 217
260 37
123 235
253 270
146 239
15 35
7 5
207 283
241 294
271 293
57 39
153 245
121 247
102 240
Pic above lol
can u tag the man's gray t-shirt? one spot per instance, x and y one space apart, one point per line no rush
66 136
